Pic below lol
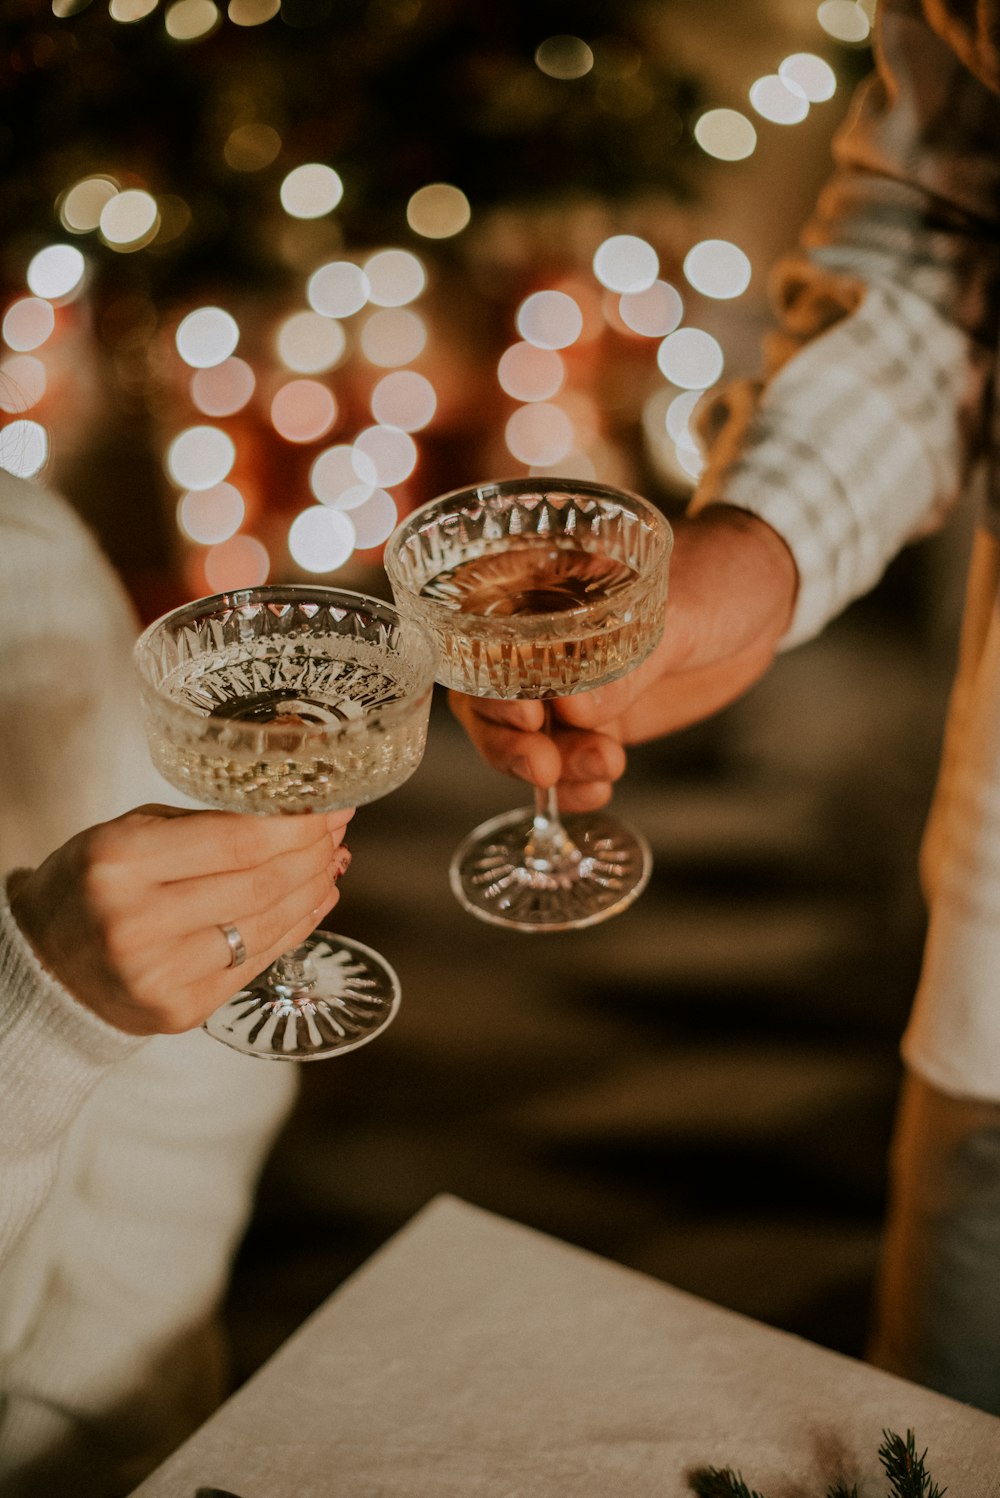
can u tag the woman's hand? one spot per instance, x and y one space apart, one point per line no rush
128 914
732 590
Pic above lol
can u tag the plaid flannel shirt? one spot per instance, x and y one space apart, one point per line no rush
878 395
875 396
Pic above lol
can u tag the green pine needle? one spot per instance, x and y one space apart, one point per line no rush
905 1469
716 1482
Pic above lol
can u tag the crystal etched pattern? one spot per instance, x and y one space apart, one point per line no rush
292 699
538 588
535 545
283 707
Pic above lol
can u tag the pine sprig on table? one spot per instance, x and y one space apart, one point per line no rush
716 1482
905 1469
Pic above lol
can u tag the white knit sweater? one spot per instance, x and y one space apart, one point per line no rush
127 1167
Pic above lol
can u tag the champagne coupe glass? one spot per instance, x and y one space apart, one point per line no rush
538 588
291 699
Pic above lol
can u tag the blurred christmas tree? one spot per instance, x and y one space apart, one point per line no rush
188 157
393 93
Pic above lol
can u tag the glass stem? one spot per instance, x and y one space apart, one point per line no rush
549 846
292 974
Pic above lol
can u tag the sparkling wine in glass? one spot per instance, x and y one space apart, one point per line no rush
538 588
288 699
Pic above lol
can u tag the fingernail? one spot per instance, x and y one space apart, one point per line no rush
521 767
340 863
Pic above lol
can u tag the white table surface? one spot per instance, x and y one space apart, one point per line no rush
471 1356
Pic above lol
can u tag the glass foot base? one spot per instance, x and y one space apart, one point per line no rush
607 868
351 996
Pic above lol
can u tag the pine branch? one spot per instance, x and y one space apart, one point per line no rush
716 1482
841 1490
905 1469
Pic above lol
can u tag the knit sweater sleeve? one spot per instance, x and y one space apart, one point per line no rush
53 1052
872 404
72 753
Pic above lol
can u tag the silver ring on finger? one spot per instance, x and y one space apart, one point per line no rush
237 949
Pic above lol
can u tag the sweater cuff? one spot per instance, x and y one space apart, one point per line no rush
53 1050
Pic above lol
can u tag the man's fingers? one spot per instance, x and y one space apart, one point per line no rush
527 713
589 758
513 751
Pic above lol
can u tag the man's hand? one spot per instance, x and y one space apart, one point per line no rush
732 590
127 915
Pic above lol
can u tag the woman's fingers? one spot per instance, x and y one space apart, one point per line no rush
174 984
185 905
128 914
155 844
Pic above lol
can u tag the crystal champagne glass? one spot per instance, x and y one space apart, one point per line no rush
286 699
538 588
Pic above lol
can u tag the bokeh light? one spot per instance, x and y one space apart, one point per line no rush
333 478
564 57
404 399
28 323
81 206
395 277
780 101
129 220
311 190
320 539
24 448
393 336
717 268
309 343
654 312
690 358
375 520
131 10
549 319
529 373
677 419
337 289
252 12
209 516
206 337
200 457
22 383
539 434
725 134
438 211
190 20
241 562
626 263
303 411
56 272
844 20
384 456
223 389
251 148
811 74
